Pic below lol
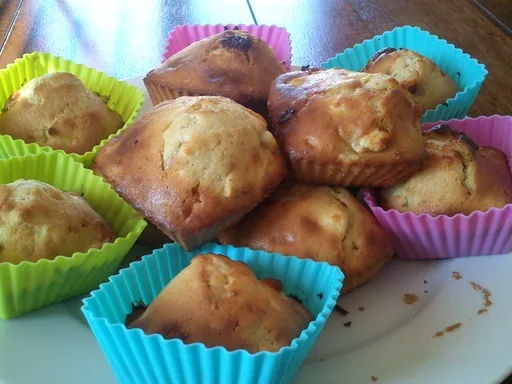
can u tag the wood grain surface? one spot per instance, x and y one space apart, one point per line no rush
123 38
320 32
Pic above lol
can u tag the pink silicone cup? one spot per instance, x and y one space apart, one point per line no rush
480 233
276 37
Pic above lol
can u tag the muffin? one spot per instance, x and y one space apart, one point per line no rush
317 222
457 177
427 83
232 64
222 303
193 166
39 221
345 128
58 111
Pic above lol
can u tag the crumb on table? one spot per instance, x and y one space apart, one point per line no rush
425 281
347 324
410 298
361 308
375 378
456 275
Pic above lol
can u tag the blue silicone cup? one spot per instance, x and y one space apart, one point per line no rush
467 72
138 358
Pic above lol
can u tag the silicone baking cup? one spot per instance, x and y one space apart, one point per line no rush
28 286
467 72
276 37
480 233
121 97
136 357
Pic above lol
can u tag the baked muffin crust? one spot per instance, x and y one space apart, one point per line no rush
232 64
457 177
317 222
192 162
428 85
39 221
340 119
58 111
222 303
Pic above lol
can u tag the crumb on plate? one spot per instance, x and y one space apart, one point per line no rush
410 298
449 328
340 310
486 295
456 275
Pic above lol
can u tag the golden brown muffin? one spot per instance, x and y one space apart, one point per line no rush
58 111
220 302
458 177
346 128
232 64
194 165
321 223
428 85
39 221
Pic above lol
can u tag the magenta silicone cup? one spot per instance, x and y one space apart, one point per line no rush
480 233
276 37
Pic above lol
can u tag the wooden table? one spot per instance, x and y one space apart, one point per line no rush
126 38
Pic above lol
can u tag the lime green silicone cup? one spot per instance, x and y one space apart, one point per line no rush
28 286
121 97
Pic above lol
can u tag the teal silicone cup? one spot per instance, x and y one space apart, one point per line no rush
138 358
467 72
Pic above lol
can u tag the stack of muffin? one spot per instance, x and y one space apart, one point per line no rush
204 165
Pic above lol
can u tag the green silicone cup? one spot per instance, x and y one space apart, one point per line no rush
28 286
121 97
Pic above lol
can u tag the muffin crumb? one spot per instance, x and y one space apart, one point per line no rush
410 298
361 308
340 310
456 275
347 324
425 281
449 328
486 295
453 327
375 378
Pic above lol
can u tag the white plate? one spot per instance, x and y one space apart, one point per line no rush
389 339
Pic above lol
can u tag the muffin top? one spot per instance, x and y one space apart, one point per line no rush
233 64
428 85
222 303
317 222
457 177
39 221
336 116
193 161
58 111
